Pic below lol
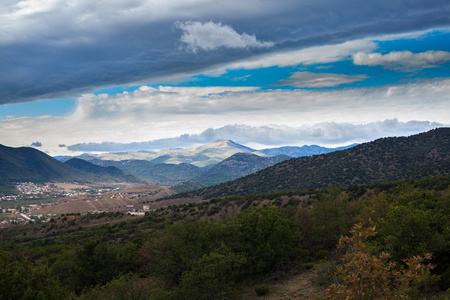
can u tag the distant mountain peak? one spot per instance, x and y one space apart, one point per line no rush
224 144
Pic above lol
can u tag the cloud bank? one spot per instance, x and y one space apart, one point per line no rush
155 114
265 136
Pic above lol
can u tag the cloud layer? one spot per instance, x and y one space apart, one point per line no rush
59 48
152 114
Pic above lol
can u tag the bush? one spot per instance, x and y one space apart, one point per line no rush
366 276
262 289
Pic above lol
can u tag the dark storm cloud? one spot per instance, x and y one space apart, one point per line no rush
50 49
36 144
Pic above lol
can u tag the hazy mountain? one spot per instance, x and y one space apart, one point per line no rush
417 156
109 173
201 156
236 166
206 155
160 174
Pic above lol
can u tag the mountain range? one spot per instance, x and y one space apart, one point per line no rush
422 155
191 168
243 170
206 165
207 155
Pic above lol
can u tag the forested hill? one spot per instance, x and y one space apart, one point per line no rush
417 156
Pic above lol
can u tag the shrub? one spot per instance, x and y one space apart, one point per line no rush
262 289
366 276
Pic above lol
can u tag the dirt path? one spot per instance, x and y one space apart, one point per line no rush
295 288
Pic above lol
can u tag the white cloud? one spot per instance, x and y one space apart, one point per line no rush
210 36
402 60
318 80
150 114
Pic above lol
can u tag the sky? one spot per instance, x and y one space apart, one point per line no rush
81 76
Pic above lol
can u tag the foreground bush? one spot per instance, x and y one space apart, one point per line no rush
365 276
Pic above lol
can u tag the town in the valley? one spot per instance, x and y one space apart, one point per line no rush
33 202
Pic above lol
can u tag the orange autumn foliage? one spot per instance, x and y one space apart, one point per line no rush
365 276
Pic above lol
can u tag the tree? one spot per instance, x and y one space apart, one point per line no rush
270 238
212 277
332 216
20 279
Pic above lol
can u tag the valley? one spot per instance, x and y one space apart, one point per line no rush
273 221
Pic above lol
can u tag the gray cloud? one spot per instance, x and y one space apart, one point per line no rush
318 80
403 60
51 49
36 144
323 134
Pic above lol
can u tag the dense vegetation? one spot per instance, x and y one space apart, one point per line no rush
422 155
206 251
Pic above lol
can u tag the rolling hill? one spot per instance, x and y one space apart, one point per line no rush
29 164
236 166
159 174
108 173
417 156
